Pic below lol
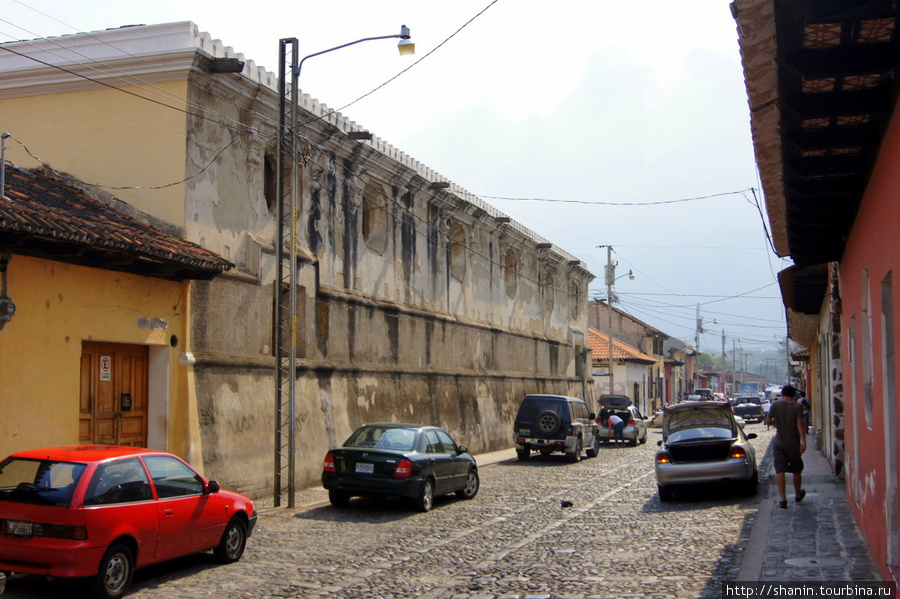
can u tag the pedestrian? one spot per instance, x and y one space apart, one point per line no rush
617 426
804 403
790 443
766 407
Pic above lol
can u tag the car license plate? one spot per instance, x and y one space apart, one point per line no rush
524 432
362 468
18 528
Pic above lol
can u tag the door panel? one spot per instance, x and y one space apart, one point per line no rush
113 403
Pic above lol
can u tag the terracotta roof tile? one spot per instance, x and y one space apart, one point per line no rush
44 217
622 352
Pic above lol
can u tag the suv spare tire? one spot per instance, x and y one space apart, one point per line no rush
548 423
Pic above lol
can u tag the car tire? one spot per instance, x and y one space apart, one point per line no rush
425 500
523 454
115 572
472 485
575 456
751 487
644 438
635 441
338 498
234 541
665 493
548 423
591 452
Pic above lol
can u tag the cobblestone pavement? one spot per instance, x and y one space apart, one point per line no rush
514 540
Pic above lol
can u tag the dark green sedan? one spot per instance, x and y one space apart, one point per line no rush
399 460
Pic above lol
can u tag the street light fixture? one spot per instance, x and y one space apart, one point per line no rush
286 268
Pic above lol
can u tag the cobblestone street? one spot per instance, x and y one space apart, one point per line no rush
515 540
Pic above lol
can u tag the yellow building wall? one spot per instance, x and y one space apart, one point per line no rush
57 306
110 138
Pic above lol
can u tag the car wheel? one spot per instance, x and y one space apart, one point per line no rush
752 486
425 500
644 438
471 488
523 454
234 541
338 498
548 423
634 442
665 493
115 572
576 455
591 451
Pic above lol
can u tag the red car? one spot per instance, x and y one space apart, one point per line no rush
102 511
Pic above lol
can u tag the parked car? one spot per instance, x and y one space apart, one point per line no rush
655 421
704 392
750 412
399 460
550 423
702 443
635 426
103 511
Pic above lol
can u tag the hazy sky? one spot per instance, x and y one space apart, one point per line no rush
628 120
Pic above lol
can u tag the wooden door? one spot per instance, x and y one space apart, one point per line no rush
114 382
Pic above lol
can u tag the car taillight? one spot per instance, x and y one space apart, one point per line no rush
60 531
631 421
663 458
404 469
328 466
738 452
569 431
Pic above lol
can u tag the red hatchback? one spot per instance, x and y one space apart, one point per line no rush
102 511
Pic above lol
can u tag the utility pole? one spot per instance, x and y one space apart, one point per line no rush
610 279
723 360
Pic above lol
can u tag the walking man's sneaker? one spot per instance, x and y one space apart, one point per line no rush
783 503
799 497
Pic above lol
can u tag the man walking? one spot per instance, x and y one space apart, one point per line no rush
790 443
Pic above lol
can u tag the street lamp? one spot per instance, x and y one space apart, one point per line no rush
286 274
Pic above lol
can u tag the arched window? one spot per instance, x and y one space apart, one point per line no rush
511 272
375 218
457 251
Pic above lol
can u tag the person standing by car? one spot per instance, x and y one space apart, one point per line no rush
617 426
790 443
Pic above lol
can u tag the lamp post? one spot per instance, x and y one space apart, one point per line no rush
610 281
286 268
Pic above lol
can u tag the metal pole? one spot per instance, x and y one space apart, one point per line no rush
610 274
3 137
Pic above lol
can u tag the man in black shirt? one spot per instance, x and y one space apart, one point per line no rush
790 443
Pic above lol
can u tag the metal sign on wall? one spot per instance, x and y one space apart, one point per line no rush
105 368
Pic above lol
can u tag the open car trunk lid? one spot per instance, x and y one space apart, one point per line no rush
697 414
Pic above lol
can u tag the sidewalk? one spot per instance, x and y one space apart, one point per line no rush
815 540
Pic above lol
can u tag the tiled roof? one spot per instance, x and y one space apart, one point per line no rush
42 216
622 352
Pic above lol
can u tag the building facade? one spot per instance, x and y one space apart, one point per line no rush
822 88
415 300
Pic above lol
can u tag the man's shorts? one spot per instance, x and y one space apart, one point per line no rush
788 459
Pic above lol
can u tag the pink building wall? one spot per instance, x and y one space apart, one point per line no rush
871 256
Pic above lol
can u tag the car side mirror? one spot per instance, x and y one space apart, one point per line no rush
751 435
212 487
461 449
659 443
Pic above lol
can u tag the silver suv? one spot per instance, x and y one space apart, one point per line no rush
549 423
